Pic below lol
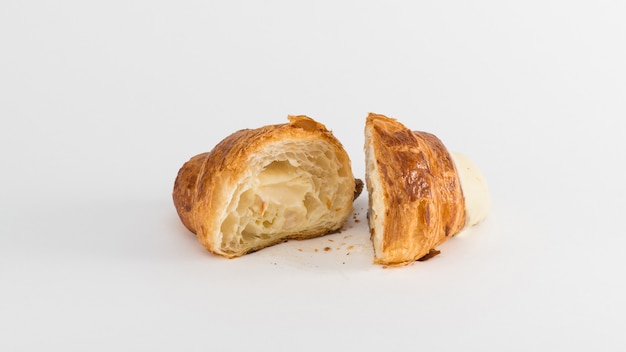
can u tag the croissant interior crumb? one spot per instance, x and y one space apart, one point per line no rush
290 192
376 196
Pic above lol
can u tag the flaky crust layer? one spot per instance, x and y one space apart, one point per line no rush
421 203
206 183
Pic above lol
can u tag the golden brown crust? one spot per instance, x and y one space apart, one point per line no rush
185 192
203 183
423 200
358 188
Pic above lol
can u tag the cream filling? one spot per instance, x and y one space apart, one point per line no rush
475 190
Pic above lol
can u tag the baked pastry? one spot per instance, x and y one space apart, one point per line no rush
259 187
416 191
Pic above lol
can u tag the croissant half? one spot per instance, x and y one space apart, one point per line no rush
416 194
259 187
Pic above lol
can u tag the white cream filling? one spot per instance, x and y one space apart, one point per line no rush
475 190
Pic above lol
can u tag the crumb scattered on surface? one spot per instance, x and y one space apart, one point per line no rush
316 249
326 249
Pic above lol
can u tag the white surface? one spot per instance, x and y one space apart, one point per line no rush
101 103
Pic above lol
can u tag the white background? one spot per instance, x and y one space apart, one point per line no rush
102 102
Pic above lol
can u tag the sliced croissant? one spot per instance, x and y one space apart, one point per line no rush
259 187
416 199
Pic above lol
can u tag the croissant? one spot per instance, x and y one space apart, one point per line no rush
419 194
259 187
